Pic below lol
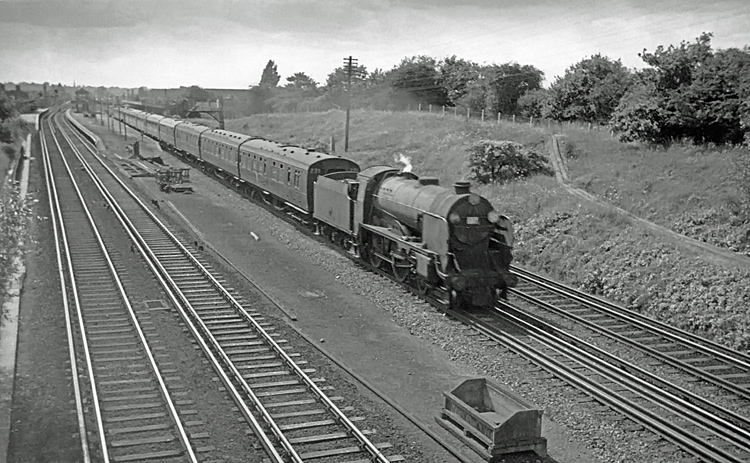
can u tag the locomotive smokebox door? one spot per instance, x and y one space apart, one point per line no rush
492 420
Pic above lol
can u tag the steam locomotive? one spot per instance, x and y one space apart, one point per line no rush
450 243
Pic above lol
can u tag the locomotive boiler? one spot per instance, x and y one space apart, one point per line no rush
450 241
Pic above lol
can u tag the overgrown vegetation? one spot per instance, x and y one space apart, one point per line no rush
493 161
13 215
7 111
13 212
688 92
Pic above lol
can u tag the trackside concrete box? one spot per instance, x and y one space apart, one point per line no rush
492 420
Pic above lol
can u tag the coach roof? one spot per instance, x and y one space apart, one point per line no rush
271 149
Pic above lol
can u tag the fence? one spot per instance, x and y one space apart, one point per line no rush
488 117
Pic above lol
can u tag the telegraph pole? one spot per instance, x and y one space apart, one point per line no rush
351 64
221 112
119 113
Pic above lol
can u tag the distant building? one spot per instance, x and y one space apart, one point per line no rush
82 100
17 94
82 94
229 93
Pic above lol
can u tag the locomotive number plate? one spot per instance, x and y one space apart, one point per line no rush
472 220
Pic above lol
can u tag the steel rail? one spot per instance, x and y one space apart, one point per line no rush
625 365
740 436
131 312
705 345
695 371
77 303
614 400
82 433
364 441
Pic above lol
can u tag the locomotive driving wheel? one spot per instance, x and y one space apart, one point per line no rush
422 286
400 265
401 269
376 247
455 300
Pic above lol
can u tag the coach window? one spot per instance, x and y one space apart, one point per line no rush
288 175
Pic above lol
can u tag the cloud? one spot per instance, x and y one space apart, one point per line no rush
228 42
69 14
321 16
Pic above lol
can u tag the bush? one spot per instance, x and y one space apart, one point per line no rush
501 161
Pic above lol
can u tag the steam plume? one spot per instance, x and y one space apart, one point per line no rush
406 161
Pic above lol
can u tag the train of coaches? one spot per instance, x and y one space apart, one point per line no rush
450 242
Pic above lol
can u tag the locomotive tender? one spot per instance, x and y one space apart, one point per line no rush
449 242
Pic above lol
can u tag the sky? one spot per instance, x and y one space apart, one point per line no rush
227 43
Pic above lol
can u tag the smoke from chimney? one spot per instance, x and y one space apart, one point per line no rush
406 161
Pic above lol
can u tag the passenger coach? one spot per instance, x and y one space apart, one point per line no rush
288 172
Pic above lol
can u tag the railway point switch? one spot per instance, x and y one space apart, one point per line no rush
492 420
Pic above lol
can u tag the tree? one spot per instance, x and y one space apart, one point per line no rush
336 84
196 93
535 103
456 76
299 88
477 95
719 95
301 81
507 82
376 92
259 97
270 77
417 80
6 113
497 87
589 91
689 92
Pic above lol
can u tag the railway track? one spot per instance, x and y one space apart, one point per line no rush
725 370
123 400
712 429
295 415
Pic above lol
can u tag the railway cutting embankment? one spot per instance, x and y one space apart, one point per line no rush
708 251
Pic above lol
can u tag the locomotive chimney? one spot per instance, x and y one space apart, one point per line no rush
461 187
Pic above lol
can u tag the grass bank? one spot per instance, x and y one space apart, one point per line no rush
694 190
691 190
